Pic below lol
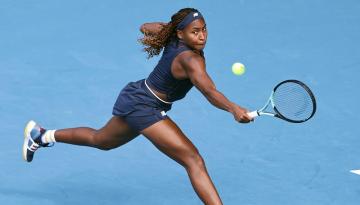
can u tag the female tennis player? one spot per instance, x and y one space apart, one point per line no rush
142 105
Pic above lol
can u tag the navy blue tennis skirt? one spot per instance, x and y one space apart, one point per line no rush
139 107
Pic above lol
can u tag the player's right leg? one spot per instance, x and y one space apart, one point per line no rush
114 134
169 139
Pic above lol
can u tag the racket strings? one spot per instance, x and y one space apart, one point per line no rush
293 101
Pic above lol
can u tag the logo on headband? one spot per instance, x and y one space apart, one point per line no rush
187 20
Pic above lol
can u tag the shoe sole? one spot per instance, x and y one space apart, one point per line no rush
29 126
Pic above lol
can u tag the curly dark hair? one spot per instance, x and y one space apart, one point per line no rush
155 43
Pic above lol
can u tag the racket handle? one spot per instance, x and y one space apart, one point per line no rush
253 114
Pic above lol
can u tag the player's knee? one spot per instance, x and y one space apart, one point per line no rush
101 143
194 160
104 147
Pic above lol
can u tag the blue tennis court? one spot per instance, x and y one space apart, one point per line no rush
63 63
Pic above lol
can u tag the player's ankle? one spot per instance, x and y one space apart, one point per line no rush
48 136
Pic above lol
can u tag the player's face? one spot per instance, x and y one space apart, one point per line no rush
195 34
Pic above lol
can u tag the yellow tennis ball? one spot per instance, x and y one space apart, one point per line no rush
238 68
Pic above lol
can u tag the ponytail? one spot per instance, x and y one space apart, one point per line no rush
155 43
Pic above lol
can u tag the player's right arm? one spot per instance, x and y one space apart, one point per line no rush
195 68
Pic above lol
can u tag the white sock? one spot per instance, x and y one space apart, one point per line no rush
48 136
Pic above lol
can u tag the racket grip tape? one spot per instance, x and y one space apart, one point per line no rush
253 114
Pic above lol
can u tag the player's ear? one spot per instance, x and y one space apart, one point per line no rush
180 34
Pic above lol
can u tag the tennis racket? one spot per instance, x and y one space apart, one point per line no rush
291 100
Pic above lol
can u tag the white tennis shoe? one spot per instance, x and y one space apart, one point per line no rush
32 140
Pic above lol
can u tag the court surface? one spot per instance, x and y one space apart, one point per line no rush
63 63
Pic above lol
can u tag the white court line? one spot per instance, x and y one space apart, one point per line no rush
355 171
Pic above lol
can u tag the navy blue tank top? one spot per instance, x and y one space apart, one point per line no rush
161 78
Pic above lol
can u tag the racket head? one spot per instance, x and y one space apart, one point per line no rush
293 101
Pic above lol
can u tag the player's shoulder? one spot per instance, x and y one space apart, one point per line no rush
190 57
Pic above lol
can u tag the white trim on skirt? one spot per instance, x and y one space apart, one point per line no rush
156 95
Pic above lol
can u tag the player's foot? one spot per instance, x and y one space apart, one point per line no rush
32 141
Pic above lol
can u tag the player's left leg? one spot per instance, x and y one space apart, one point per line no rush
114 134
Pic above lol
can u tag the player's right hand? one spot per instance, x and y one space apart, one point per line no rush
240 114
